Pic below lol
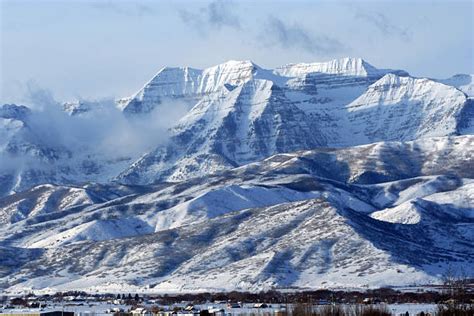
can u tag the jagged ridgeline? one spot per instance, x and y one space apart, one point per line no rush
304 176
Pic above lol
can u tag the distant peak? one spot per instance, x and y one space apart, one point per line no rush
395 80
355 64
390 76
172 73
236 64
347 66
77 107
350 60
227 64
241 62
170 70
13 111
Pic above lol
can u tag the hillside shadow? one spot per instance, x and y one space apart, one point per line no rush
13 260
429 244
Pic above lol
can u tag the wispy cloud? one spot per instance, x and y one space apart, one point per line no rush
101 130
37 96
273 31
279 33
214 16
383 24
219 14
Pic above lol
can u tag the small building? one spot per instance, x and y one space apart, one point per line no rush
216 311
189 307
165 313
140 311
260 305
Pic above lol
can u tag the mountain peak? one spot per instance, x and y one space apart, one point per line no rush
13 111
168 71
463 82
393 79
188 82
348 66
238 63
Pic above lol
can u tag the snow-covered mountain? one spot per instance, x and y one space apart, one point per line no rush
237 113
377 215
187 83
405 108
309 175
247 117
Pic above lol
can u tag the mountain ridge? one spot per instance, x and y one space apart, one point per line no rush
333 217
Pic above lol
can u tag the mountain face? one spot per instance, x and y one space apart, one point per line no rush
247 117
310 175
405 108
228 129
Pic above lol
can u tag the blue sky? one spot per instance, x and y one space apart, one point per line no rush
99 49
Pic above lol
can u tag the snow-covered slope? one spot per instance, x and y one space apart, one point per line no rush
307 244
310 219
405 108
191 84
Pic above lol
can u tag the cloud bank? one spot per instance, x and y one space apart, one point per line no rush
84 130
